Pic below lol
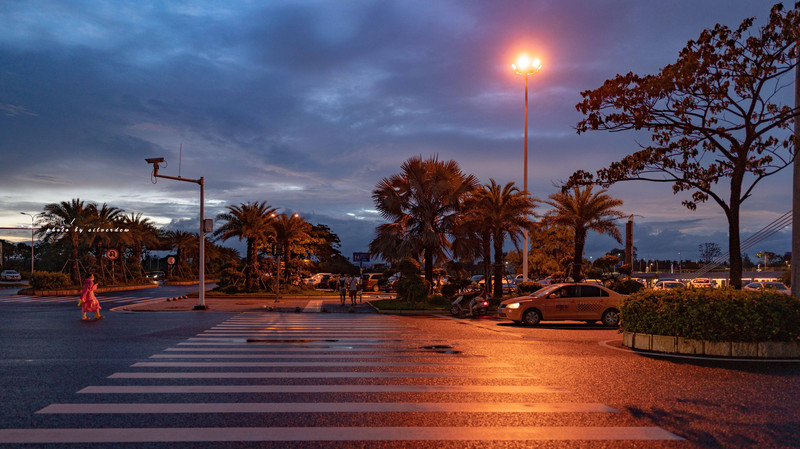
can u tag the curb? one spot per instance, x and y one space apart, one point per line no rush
678 345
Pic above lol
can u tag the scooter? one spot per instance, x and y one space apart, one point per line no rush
461 305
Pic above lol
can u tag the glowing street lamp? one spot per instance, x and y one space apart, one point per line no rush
526 66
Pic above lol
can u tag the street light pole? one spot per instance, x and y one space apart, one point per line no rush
526 67
32 217
203 227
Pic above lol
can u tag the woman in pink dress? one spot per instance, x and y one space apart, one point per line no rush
89 301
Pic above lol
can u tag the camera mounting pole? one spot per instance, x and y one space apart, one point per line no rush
204 226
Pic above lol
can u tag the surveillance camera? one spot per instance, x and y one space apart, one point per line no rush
155 160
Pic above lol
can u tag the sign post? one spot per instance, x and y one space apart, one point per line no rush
112 255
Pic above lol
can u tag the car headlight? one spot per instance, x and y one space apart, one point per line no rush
513 305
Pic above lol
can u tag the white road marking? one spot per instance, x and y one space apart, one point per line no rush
180 389
331 407
310 375
227 434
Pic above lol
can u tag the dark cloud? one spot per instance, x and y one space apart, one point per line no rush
306 105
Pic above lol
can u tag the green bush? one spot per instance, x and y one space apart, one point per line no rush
625 287
451 289
713 314
530 287
47 280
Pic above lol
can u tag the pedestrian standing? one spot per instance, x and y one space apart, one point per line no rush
89 302
342 287
353 289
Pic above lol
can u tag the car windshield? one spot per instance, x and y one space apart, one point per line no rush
542 292
775 286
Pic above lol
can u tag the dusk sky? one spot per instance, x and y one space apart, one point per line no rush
308 104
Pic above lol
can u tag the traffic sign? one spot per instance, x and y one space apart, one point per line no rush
170 260
112 254
360 257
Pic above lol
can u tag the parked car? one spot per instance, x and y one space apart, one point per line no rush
666 285
315 279
10 275
594 281
777 287
369 282
518 279
558 302
508 286
701 283
391 284
323 281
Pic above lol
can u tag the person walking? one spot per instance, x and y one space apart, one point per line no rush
353 289
342 287
88 301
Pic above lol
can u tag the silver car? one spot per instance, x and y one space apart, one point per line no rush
10 275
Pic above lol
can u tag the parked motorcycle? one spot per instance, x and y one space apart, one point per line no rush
461 304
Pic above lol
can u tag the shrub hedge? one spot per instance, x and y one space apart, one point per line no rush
47 280
529 286
713 314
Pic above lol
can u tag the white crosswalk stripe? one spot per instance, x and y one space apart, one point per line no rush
72 300
334 366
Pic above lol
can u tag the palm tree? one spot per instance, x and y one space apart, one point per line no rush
104 217
290 230
68 221
504 212
421 204
249 222
185 244
584 211
142 233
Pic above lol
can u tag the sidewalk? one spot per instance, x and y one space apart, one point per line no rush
216 304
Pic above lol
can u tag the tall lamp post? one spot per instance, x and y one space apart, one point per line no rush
525 66
32 218
205 226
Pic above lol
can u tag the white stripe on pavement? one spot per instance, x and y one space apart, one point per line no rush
309 375
180 389
331 407
228 434
308 364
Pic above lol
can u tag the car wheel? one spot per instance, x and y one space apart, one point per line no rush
610 317
532 317
483 311
455 310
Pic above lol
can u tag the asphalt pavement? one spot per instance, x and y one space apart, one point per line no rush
252 377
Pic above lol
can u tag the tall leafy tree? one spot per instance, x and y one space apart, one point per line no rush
503 211
716 127
421 205
290 230
186 245
142 234
251 222
584 210
104 218
67 220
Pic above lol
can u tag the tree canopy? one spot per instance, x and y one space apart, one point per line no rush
716 126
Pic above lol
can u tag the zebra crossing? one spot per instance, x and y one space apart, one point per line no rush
318 378
112 300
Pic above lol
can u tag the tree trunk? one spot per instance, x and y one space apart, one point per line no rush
732 213
429 265
577 258
249 268
498 264
487 260
76 273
